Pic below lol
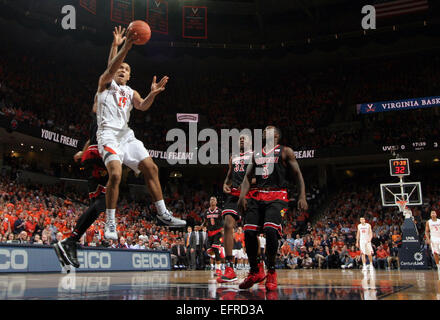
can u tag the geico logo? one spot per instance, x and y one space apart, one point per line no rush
72 283
149 280
94 260
13 259
150 260
12 287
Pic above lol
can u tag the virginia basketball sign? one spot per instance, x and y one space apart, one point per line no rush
407 104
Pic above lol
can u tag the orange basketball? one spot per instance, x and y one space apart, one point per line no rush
142 29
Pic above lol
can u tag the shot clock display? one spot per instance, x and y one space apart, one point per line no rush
399 167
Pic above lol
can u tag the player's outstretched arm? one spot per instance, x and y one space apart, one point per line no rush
228 181
294 168
114 65
79 154
427 232
118 39
156 88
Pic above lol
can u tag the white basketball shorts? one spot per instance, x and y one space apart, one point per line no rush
238 253
366 247
435 245
121 145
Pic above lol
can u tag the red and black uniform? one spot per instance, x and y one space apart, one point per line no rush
239 167
269 201
96 171
214 226
97 180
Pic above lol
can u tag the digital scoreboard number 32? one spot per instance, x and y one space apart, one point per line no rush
399 167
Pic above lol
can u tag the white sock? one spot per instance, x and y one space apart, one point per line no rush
160 206
110 215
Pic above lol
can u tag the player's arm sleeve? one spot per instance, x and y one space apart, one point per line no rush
245 185
228 180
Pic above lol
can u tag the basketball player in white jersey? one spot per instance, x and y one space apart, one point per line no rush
363 242
432 233
117 144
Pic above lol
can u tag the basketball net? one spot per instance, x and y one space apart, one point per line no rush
404 209
402 205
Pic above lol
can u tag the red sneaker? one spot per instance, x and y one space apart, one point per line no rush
218 272
251 279
261 272
271 280
229 276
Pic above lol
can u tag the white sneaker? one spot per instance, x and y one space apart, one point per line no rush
364 268
350 265
371 267
168 219
110 231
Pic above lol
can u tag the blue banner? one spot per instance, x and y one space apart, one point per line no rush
407 104
38 258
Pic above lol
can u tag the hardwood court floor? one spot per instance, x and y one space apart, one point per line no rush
194 285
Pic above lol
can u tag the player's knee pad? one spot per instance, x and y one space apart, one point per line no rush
251 241
217 254
250 235
271 240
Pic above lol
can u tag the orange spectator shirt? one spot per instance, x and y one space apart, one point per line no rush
285 249
354 254
239 237
381 254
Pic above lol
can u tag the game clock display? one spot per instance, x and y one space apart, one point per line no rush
399 167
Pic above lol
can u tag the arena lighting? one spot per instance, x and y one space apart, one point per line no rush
32 147
41 149
417 161
22 144
349 173
436 160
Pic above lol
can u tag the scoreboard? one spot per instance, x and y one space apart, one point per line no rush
399 167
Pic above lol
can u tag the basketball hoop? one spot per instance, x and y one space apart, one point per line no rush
402 205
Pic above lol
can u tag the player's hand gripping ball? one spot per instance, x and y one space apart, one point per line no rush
143 31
